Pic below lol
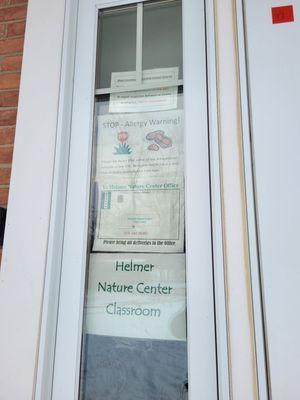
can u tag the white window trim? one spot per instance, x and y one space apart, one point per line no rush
45 361
202 363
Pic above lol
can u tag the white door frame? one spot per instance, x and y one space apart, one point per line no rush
201 353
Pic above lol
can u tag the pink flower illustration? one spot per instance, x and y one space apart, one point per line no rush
122 137
123 147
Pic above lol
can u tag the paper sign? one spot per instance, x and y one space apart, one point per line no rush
140 179
144 100
137 296
144 216
140 145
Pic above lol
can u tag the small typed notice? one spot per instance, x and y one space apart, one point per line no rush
158 99
137 296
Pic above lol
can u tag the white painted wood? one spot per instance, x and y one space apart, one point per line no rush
201 333
25 247
274 89
241 342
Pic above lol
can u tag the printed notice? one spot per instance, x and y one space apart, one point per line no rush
137 296
144 216
161 98
140 183
140 145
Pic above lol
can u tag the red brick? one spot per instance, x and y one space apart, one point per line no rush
3 31
13 13
3 3
16 29
11 45
18 2
5 176
9 99
7 135
3 196
9 81
11 63
8 117
6 155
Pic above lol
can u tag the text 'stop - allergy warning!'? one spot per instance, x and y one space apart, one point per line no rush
282 14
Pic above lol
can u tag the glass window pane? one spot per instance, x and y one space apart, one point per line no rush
117 30
162 35
134 334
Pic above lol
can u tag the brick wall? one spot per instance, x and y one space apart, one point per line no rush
12 27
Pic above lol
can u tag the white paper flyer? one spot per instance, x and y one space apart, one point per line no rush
140 145
137 296
160 98
145 216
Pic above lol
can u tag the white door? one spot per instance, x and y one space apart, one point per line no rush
273 63
136 314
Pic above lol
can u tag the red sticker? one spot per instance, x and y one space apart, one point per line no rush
282 14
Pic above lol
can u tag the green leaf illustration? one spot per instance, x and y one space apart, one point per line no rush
123 149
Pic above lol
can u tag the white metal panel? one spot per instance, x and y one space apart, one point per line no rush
200 293
25 248
241 338
217 233
262 373
202 361
69 328
274 88
56 229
